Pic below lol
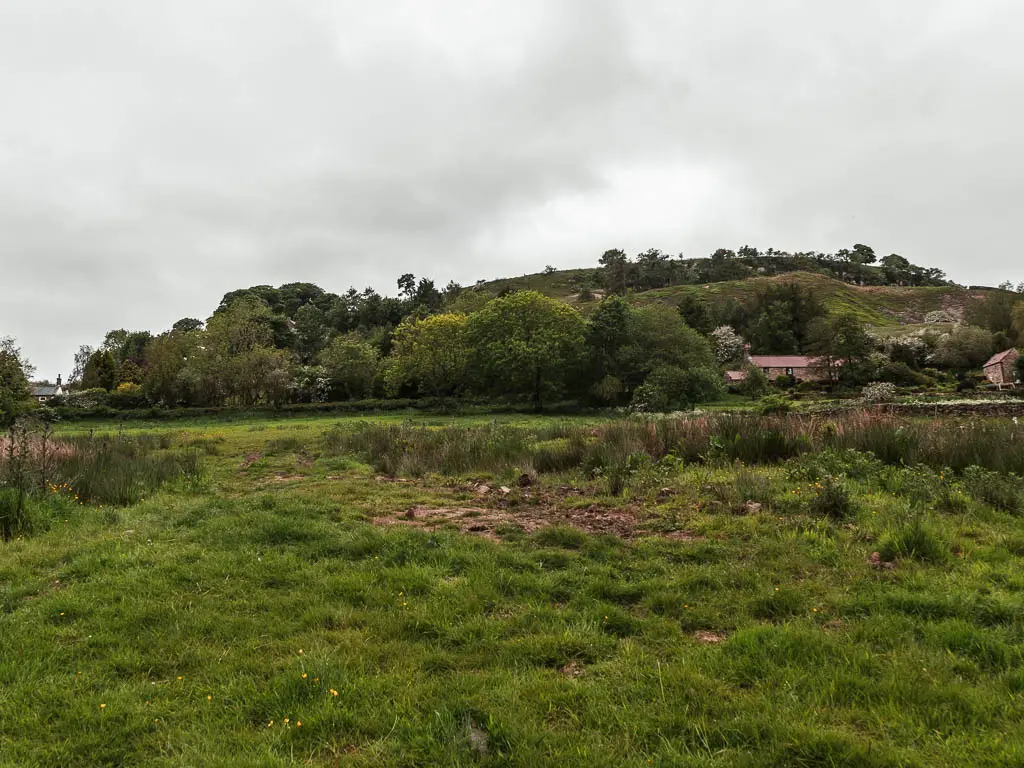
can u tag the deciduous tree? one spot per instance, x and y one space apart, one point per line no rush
15 395
351 365
433 353
526 343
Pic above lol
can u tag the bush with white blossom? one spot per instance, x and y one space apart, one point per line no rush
879 392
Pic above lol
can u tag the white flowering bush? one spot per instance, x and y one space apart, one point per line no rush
728 344
879 392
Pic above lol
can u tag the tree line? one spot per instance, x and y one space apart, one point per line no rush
521 345
858 265
298 343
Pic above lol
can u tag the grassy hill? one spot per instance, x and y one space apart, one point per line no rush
883 307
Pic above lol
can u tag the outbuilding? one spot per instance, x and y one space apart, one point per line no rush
1001 368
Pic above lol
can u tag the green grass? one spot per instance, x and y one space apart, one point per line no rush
879 306
184 629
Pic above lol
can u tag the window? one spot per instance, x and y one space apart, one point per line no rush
789 371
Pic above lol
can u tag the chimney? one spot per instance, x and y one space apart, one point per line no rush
58 379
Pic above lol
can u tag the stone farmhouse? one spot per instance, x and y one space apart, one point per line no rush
1001 368
800 367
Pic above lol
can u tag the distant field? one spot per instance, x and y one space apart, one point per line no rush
718 591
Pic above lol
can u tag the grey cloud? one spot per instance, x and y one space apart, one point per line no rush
155 154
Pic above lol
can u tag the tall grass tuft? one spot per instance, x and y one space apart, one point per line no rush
14 518
120 470
914 540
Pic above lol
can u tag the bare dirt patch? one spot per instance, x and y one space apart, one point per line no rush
488 522
250 459
705 636
572 670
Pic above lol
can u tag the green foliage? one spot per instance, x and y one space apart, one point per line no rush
842 347
696 313
1001 491
441 628
351 366
433 353
100 372
832 500
528 344
670 388
658 337
997 313
15 396
774 403
755 382
14 518
781 318
963 348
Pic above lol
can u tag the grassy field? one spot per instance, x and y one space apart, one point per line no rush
714 592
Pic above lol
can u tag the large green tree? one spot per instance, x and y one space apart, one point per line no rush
607 336
15 395
432 352
100 371
615 267
238 363
780 319
842 346
526 343
352 365
965 347
996 313
658 337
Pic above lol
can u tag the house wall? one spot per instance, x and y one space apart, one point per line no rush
802 374
1003 372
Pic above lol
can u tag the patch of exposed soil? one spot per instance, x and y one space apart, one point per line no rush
572 670
250 459
705 636
486 522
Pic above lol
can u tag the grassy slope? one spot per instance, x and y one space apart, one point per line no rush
883 307
202 619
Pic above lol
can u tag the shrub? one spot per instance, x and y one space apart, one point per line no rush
670 388
774 404
832 500
879 392
754 383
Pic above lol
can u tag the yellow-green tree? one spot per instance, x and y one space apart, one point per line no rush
433 353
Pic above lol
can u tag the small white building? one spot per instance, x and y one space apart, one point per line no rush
44 392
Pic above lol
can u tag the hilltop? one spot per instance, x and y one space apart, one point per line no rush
882 307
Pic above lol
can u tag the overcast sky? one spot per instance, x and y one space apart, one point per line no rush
154 155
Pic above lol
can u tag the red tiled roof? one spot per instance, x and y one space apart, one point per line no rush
996 359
